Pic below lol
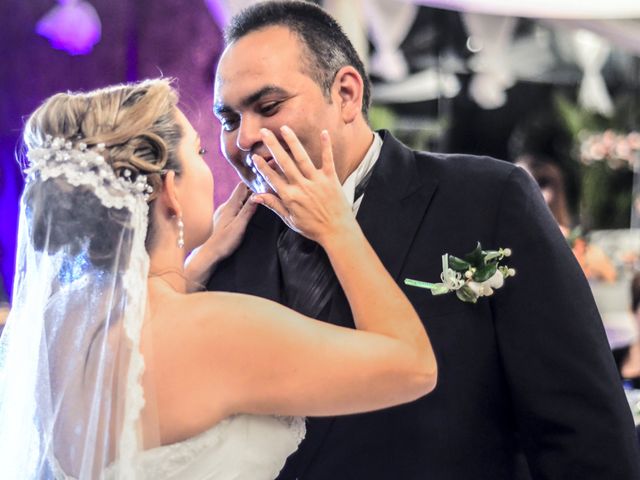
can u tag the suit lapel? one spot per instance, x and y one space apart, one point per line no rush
394 204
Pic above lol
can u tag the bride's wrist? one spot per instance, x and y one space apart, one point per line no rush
340 237
203 261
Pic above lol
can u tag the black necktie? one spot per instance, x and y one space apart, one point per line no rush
307 276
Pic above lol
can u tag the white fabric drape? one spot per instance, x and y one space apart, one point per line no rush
624 34
350 15
591 53
389 23
574 9
419 87
493 74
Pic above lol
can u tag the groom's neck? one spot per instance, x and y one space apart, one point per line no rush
356 147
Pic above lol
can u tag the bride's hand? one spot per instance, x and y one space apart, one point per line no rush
229 224
230 221
308 199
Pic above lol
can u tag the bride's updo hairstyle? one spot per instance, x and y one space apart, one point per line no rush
133 126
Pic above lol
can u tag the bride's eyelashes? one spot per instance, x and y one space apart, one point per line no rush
202 152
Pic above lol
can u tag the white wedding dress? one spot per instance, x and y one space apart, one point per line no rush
242 447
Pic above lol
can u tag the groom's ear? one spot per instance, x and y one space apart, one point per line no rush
347 90
169 195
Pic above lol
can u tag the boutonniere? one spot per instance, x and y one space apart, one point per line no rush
475 275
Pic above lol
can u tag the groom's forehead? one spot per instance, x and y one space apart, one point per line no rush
241 75
263 52
243 85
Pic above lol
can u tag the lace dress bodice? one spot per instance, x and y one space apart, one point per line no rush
242 447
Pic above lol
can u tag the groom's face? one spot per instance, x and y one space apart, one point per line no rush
262 82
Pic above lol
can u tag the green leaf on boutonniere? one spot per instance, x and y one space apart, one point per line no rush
485 273
466 294
458 265
475 258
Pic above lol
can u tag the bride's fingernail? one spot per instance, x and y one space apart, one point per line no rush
264 131
285 129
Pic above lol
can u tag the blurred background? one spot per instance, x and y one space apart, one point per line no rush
551 85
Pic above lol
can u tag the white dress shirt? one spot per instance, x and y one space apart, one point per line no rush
367 163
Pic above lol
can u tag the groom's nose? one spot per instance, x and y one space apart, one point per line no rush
248 133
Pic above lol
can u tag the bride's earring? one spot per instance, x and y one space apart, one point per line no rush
180 232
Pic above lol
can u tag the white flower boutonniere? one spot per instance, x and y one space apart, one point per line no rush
475 275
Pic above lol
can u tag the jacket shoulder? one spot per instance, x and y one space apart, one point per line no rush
463 167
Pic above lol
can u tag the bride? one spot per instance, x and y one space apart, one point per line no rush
113 365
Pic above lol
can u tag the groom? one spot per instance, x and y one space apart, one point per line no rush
524 374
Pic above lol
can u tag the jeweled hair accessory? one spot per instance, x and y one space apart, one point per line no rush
80 163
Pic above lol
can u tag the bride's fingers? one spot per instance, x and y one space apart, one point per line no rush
273 203
239 196
275 181
245 213
280 155
300 155
328 166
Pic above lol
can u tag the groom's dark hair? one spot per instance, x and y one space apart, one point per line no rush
327 45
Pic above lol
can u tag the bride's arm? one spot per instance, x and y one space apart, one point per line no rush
256 356
241 354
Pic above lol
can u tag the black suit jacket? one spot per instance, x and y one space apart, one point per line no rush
527 370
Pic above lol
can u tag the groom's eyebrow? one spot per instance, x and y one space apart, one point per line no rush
220 108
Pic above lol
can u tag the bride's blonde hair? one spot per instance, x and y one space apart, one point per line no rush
137 125
136 122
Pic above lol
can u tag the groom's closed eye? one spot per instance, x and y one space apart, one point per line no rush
265 101
229 122
270 108
227 117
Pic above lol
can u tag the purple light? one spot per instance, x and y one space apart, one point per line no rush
219 11
73 26
10 188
